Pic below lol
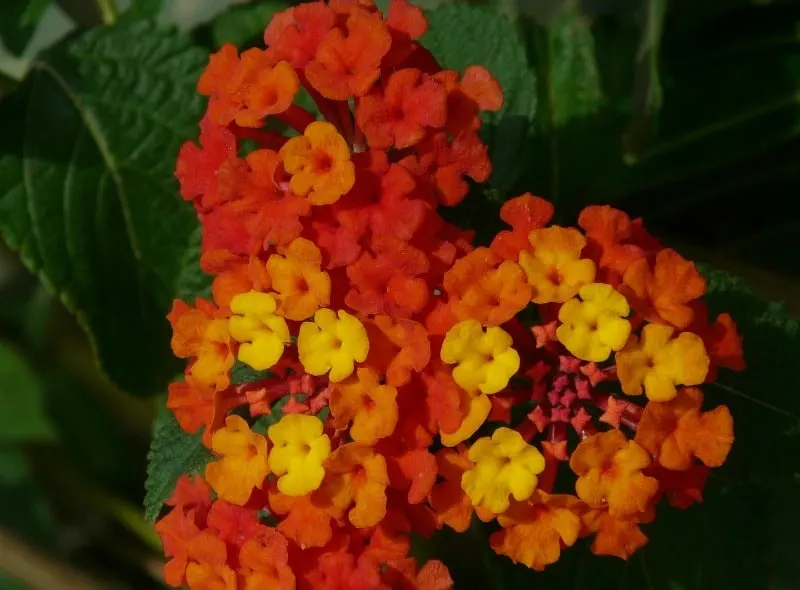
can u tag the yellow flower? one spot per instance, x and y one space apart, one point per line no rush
592 328
262 333
555 268
299 448
659 362
243 461
505 465
331 344
485 360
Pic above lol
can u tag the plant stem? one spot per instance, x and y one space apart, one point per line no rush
108 11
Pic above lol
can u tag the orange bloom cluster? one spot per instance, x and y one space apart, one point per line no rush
395 347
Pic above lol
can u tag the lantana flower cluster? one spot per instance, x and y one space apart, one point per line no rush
404 379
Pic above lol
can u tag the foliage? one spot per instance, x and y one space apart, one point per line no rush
93 210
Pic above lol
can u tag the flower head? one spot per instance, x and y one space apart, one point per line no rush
535 531
484 360
319 163
263 334
505 466
243 464
370 406
296 276
609 469
676 431
658 362
299 449
555 268
594 325
332 344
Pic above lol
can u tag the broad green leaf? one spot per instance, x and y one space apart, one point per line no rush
22 413
87 194
18 22
242 25
496 43
172 453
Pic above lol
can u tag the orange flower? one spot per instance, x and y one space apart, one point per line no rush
307 519
403 575
398 114
524 214
197 332
659 362
370 406
248 88
302 287
677 431
295 33
196 406
347 66
448 404
243 465
619 536
477 91
661 294
448 499
609 469
207 569
263 561
272 93
555 268
176 530
615 241
535 531
358 478
397 348
485 288
380 284
240 277
319 162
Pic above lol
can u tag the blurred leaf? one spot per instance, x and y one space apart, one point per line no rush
18 22
497 44
94 208
732 121
93 442
172 453
24 509
22 414
242 25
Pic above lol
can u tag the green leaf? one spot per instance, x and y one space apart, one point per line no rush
243 25
87 194
733 121
144 9
172 453
496 43
22 413
18 22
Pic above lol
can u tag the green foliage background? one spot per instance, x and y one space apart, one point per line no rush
685 113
